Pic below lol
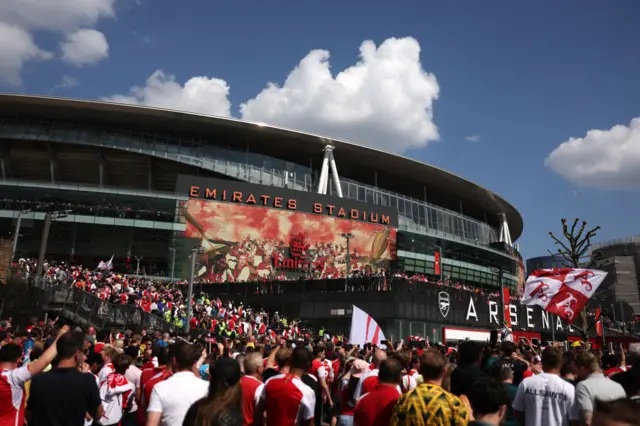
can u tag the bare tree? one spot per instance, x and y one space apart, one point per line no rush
574 249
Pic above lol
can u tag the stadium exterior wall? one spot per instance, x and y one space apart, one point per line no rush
98 147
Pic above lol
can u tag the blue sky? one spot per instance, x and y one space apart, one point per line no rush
524 76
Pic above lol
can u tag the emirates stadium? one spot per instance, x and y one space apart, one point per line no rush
147 187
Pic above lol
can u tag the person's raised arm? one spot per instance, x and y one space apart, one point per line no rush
271 361
45 359
203 358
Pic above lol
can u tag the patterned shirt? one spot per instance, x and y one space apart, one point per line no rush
431 405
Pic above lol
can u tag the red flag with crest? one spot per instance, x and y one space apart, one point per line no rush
562 291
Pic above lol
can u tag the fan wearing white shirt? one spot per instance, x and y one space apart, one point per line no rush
593 386
545 399
171 398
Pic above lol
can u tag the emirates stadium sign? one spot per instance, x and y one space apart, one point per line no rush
286 199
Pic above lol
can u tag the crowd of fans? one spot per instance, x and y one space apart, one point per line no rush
167 299
55 375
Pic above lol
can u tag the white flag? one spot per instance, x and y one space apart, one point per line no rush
563 291
106 266
364 329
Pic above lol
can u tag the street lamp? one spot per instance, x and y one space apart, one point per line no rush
48 218
347 236
194 252
16 234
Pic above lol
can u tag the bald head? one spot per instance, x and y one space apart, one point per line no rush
253 363
378 356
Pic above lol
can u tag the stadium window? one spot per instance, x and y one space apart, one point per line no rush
369 196
420 262
361 193
415 212
407 208
410 262
385 199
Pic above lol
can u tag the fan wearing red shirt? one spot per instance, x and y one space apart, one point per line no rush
251 386
375 408
320 371
13 378
369 380
285 399
611 365
149 378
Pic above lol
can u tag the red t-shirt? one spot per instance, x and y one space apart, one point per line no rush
376 407
288 400
369 384
147 388
611 371
12 395
98 347
527 373
318 369
251 393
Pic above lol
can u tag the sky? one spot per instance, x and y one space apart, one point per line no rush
538 101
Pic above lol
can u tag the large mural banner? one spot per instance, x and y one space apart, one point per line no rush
243 242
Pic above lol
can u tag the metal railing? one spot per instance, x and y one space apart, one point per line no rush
617 241
82 306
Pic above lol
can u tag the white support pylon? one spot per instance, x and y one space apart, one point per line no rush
505 235
324 174
329 162
334 174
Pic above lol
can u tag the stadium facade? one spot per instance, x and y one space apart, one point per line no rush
147 186
545 262
621 260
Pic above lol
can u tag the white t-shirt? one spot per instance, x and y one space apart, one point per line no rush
596 386
174 396
546 399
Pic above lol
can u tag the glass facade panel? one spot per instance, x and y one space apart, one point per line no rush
253 167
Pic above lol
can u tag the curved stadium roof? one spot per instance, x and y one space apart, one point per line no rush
393 172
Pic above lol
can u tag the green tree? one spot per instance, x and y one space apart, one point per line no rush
574 248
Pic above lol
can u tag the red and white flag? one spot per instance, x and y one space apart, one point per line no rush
562 291
364 329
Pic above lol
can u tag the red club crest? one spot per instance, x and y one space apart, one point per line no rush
299 245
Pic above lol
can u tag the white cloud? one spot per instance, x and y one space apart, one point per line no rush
16 48
472 138
55 15
19 18
602 158
84 47
384 101
67 82
201 95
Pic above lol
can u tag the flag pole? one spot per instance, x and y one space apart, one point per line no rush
604 339
553 318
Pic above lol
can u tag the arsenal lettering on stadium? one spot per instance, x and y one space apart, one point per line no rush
459 307
282 198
